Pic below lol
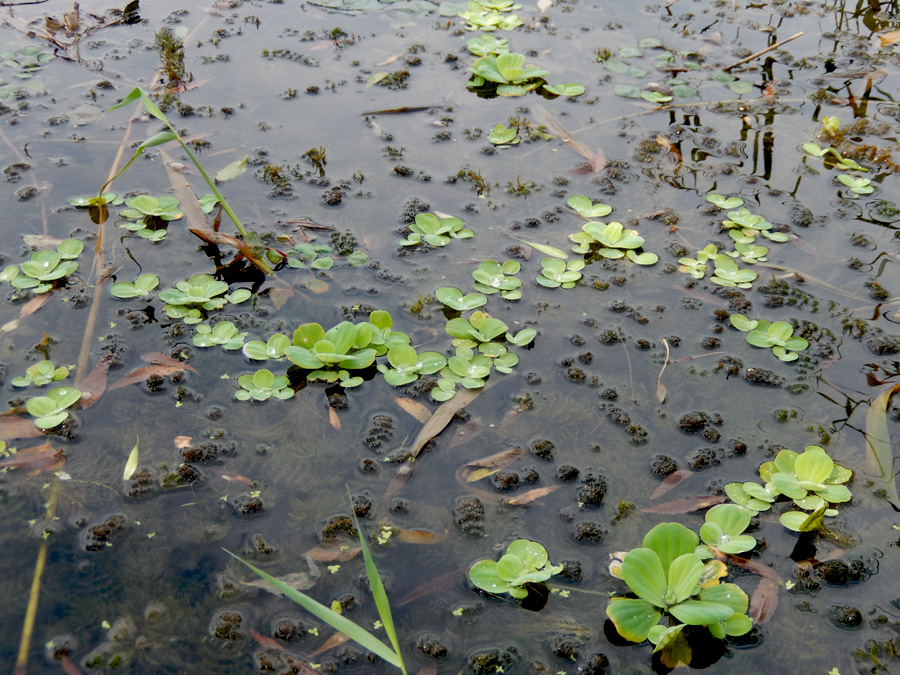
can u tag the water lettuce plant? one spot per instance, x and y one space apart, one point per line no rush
611 241
507 73
454 299
557 273
525 562
669 578
224 333
200 293
728 274
481 329
435 231
139 288
271 349
811 479
724 527
45 269
778 336
585 208
503 137
744 226
857 184
485 44
491 15
406 365
329 355
492 277
262 385
49 410
40 374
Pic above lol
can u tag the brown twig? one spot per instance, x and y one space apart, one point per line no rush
764 51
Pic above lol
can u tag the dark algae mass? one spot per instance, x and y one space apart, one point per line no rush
354 336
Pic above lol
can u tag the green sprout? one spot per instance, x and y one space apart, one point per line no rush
525 562
724 202
50 410
262 385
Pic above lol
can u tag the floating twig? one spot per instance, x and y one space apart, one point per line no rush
761 52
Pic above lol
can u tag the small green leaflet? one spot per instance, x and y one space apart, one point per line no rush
233 170
132 463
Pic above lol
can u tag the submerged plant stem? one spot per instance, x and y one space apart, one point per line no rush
35 592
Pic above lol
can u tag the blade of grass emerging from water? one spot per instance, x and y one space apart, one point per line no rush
878 444
379 594
352 630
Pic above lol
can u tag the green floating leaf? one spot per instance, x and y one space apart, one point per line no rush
740 87
627 90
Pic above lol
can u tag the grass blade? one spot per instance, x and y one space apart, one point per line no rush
878 443
352 630
379 595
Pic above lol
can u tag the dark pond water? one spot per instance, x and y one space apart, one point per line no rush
131 575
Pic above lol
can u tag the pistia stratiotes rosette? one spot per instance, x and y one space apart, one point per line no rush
524 562
668 577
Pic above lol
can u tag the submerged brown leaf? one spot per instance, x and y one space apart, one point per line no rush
685 505
546 119
531 495
18 427
162 359
414 408
183 441
333 418
94 385
141 374
28 309
763 601
491 464
335 640
335 552
418 536
35 460
442 416
670 481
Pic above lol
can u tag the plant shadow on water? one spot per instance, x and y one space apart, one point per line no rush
591 321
